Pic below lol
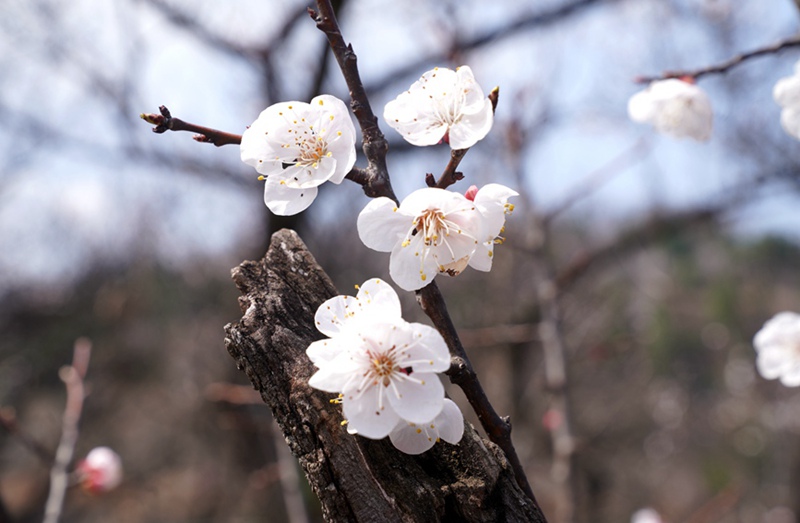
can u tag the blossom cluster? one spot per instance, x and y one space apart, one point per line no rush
787 94
385 370
676 107
777 346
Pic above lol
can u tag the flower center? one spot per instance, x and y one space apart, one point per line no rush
383 365
433 226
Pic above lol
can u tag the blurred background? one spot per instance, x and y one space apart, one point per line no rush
667 255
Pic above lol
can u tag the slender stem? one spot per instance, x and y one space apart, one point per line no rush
72 376
462 374
376 183
375 145
166 122
727 64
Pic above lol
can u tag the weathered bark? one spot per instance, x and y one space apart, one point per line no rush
356 479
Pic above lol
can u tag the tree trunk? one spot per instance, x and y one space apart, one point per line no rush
356 479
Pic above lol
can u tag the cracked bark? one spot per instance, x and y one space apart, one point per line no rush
356 479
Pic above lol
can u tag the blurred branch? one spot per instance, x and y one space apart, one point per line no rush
8 421
72 376
717 507
429 297
594 180
289 479
656 228
165 122
522 23
726 65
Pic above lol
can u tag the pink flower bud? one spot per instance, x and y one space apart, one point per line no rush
100 471
471 192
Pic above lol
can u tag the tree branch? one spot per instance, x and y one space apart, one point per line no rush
72 376
165 122
726 65
429 298
375 145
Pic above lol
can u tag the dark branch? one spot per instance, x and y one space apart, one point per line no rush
726 65
522 23
375 144
462 374
165 122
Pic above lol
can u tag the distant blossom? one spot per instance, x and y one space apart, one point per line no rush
436 231
646 515
778 349
384 367
676 107
442 105
100 471
297 147
787 95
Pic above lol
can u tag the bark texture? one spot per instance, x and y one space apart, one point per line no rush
355 478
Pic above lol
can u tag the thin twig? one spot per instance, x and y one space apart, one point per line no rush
430 299
165 122
375 146
600 176
8 421
72 376
726 65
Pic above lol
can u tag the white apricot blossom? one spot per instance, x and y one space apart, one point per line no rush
384 367
416 438
676 107
442 105
778 348
436 231
100 471
787 94
297 147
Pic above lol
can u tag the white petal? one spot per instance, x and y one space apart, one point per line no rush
380 298
299 176
483 256
450 422
418 398
366 415
641 107
409 268
471 127
790 121
427 346
285 201
411 438
491 201
334 374
333 314
787 92
322 352
381 225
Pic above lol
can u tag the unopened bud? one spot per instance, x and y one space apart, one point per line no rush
100 471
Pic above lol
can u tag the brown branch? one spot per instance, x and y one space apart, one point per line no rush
519 24
429 298
375 145
72 376
165 122
726 65
462 374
